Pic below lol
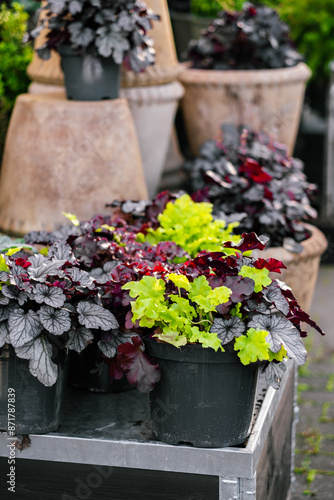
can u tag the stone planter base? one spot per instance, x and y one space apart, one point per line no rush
67 156
302 268
270 100
153 110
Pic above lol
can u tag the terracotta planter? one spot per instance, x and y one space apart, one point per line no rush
270 100
153 110
302 268
67 156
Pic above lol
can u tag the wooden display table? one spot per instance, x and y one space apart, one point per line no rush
67 156
104 450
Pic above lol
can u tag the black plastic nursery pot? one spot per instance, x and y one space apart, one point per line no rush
204 398
36 409
84 82
87 370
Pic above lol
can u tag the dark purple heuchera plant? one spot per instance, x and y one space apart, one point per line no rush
214 299
249 178
100 28
254 38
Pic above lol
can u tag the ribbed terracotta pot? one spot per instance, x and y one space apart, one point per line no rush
302 268
153 110
269 100
67 156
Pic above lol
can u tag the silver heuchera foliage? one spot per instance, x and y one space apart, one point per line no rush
108 28
47 303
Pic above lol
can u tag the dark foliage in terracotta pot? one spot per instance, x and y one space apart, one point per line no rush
249 178
254 38
100 28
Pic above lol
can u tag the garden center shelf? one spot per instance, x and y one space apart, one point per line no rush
104 450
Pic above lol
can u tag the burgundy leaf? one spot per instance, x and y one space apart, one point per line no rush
273 265
139 369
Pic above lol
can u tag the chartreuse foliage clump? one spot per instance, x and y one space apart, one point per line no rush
191 226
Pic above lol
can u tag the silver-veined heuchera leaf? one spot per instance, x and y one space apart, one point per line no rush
228 329
100 275
23 327
81 277
61 251
39 353
281 332
12 292
56 321
95 316
41 267
107 348
274 295
274 373
4 334
79 338
6 310
50 295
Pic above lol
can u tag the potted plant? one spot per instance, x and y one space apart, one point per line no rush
126 246
48 306
244 69
250 178
93 39
210 324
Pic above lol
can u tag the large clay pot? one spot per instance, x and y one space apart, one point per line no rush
269 100
302 268
153 110
67 156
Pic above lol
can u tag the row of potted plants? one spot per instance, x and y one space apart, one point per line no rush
183 287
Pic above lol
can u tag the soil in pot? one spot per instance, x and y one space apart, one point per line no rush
204 398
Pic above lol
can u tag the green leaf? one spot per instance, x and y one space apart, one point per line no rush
207 339
148 311
44 251
147 287
13 251
259 276
236 310
180 281
220 295
72 218
278 356
199 288
172 337
252 346
3 265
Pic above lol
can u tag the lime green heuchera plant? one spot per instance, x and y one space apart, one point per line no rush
217 300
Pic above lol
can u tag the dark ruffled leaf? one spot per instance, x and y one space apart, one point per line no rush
4 334
56 321
79 338
23 327
273 265
274 295
274 373
249 241
139 369
94 316
50 295
41 268
107 348
255 305
241 287
39 353
228 329
14 293
281 332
